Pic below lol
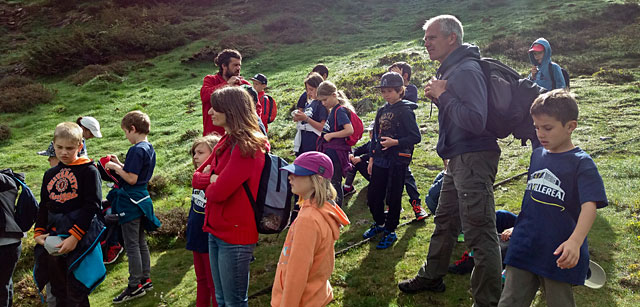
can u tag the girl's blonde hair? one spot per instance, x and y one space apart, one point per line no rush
323 190
210 140
241 118
327 88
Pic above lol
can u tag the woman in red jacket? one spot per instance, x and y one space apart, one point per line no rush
229 220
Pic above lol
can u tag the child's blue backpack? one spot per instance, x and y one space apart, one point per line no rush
26 207
272 206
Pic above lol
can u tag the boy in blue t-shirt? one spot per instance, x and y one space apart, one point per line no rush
133 204
549 241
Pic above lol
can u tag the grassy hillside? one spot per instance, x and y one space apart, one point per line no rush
594 40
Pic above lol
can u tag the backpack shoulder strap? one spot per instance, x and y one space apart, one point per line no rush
553 78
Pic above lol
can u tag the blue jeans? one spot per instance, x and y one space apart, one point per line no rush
230 271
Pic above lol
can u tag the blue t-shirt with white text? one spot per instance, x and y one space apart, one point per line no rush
316 111
558 184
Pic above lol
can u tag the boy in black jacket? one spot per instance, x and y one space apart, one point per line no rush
70 197
395 132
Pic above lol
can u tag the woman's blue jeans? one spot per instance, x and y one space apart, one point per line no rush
230 271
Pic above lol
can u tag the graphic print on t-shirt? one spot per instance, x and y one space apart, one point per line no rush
545 182
63 186
199 201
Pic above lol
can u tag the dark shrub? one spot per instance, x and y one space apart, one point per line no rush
174 222
614 76
5 133
158 185
17 95
87 73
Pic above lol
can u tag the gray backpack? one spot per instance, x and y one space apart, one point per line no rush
272 206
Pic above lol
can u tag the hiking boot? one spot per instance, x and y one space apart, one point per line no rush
462 266
113 253
146 284
348 190
129 294
418 284
387 240
371 232
417 209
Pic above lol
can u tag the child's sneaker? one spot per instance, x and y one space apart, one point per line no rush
129 294
146 284
463 266
417 209
374 230
387 240
348 190
113 253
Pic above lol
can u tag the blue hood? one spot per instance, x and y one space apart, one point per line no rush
547 53
543 78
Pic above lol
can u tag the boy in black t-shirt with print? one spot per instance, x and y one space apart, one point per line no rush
133 204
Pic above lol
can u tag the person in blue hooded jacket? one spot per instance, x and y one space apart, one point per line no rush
543 67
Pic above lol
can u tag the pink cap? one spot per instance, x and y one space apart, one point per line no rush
311 163
536 47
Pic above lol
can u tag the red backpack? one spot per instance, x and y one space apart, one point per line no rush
269 109
356 122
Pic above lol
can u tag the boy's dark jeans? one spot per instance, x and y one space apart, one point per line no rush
361 168
386 184
9 255
466 202
411 187
65 295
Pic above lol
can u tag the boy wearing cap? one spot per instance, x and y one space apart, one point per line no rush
544 72
548 246
70 198
269 107
395 132
90 129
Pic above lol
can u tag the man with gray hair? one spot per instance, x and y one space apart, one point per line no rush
471 157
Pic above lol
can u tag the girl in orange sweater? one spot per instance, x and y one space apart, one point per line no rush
307 258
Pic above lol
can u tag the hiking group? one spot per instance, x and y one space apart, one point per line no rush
77 232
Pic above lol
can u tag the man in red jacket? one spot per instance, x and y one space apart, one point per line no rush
229 62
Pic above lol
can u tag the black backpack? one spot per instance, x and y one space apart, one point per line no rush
26 207
509 100
272 206
565 75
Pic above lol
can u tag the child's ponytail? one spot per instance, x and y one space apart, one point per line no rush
327 88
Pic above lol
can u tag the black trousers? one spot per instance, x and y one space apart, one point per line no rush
9 255
66 296
387 184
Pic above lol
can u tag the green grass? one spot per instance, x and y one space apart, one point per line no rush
351 38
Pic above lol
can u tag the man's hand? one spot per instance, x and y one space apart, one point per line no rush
569 252
300 116
41 238
114 158
506 234
234 80
435 88
68 245
111 165
534 71
370 167
387 142
355 160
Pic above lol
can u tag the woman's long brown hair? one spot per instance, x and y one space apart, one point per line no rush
242 120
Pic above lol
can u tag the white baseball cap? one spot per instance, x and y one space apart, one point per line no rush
596 276
92 124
